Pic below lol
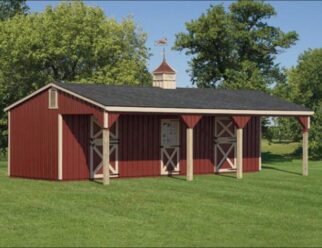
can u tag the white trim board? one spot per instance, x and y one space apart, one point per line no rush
208 111
60 147
167 110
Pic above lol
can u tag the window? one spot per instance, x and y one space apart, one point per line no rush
52 99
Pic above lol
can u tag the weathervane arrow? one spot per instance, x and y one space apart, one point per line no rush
162 42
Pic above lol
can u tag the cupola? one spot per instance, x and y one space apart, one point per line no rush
164 76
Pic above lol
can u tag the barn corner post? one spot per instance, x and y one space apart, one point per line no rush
240 122
8 149
190 122
305 123
106 150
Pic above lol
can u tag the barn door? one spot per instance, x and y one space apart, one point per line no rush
96 150
169 147
225 144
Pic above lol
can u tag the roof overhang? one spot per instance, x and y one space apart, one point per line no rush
166 110
208 111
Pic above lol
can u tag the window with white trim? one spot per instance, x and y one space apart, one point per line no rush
52 98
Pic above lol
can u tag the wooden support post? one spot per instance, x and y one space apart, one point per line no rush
106 156
239 156
260 144
189 154
305 152
305 123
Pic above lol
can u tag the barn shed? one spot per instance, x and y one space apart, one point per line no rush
70 131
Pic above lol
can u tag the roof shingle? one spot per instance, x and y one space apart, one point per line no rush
190 98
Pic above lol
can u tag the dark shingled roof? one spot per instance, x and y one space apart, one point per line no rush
191 98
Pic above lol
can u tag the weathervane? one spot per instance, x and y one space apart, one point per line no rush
162 42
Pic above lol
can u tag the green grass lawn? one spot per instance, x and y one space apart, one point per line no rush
275 207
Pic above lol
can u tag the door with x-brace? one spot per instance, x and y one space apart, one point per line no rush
170 148
224 144
96 150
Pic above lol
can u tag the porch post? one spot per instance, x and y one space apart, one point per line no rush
240 122
108 121
305 152
191 121
106 156
305 123
239 159
189 154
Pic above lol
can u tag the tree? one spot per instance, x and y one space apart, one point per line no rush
304 86
235 48
71 42
9 8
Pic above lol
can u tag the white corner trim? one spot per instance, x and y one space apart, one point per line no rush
60 147
207 111
8 149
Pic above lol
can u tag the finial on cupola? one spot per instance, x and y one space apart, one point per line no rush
164 76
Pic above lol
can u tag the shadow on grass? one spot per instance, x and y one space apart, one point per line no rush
277 169
227 175
269 157
177 177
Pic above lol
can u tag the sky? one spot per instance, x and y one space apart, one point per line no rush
166 18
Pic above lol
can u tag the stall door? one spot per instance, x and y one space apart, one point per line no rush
225 144
169 147
96 150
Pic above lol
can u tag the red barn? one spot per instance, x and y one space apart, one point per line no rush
68 131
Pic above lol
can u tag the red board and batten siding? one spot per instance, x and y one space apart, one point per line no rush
34 139
251 145
34 134
139 145
76 142
204 147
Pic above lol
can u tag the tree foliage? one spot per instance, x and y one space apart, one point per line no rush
304 86
71 42
9 8
235 48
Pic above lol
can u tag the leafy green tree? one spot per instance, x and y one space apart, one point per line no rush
235 48
71 42
304 86
9 8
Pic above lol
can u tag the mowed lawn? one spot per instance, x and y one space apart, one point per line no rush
275 207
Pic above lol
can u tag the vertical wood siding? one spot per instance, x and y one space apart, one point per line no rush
202 145
139 145
76 135
251 139
34 139
34 134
